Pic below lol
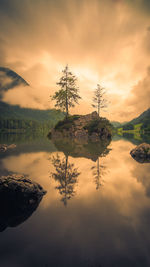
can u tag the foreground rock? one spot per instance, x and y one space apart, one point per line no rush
86 127
4 147
19 198
141 153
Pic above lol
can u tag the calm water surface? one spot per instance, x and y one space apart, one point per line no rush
96 212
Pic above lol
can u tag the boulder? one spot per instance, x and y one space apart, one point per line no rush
141 153
4 147
19 198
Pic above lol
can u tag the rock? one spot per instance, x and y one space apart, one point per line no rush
141 153
89 126
11 146
4 147
19 198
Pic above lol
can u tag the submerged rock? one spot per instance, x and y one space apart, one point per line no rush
19 198
141 153
4 147
85 127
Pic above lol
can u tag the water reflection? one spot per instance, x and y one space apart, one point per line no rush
135 138
98 172
107 227
87 150
142 175
66 176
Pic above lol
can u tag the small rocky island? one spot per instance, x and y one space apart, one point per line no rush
141 153
88 127
19 198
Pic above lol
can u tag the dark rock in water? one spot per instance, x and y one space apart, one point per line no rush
4 147
19 198
141 153
85 127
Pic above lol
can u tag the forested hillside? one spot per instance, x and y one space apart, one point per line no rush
14 117
142 123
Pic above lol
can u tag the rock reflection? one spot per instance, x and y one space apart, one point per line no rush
87 150
66 176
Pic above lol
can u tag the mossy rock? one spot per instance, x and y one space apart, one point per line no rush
89 126
67 123
96 125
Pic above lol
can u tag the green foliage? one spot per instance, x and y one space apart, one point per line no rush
16 112
14 126
14 118
137 127
67 123
143 118
68 94
141 123
147 129
97 124
128 126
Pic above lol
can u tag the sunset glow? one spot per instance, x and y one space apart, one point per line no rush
104 42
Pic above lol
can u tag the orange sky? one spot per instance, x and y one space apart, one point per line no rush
106 42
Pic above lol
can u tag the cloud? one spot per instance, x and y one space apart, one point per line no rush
108 41
140 97
26 96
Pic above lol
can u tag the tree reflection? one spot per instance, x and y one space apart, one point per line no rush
66 176
98 171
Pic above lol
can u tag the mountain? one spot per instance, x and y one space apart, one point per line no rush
145 116
141 122
15 117
117 123
9 79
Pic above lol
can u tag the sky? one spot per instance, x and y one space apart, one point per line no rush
103 42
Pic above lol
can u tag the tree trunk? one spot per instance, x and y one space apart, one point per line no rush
98 109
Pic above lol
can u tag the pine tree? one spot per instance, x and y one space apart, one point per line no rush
99 101
68 94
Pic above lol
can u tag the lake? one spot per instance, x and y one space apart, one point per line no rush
96 212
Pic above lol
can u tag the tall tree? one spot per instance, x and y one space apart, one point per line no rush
99 101
68 94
